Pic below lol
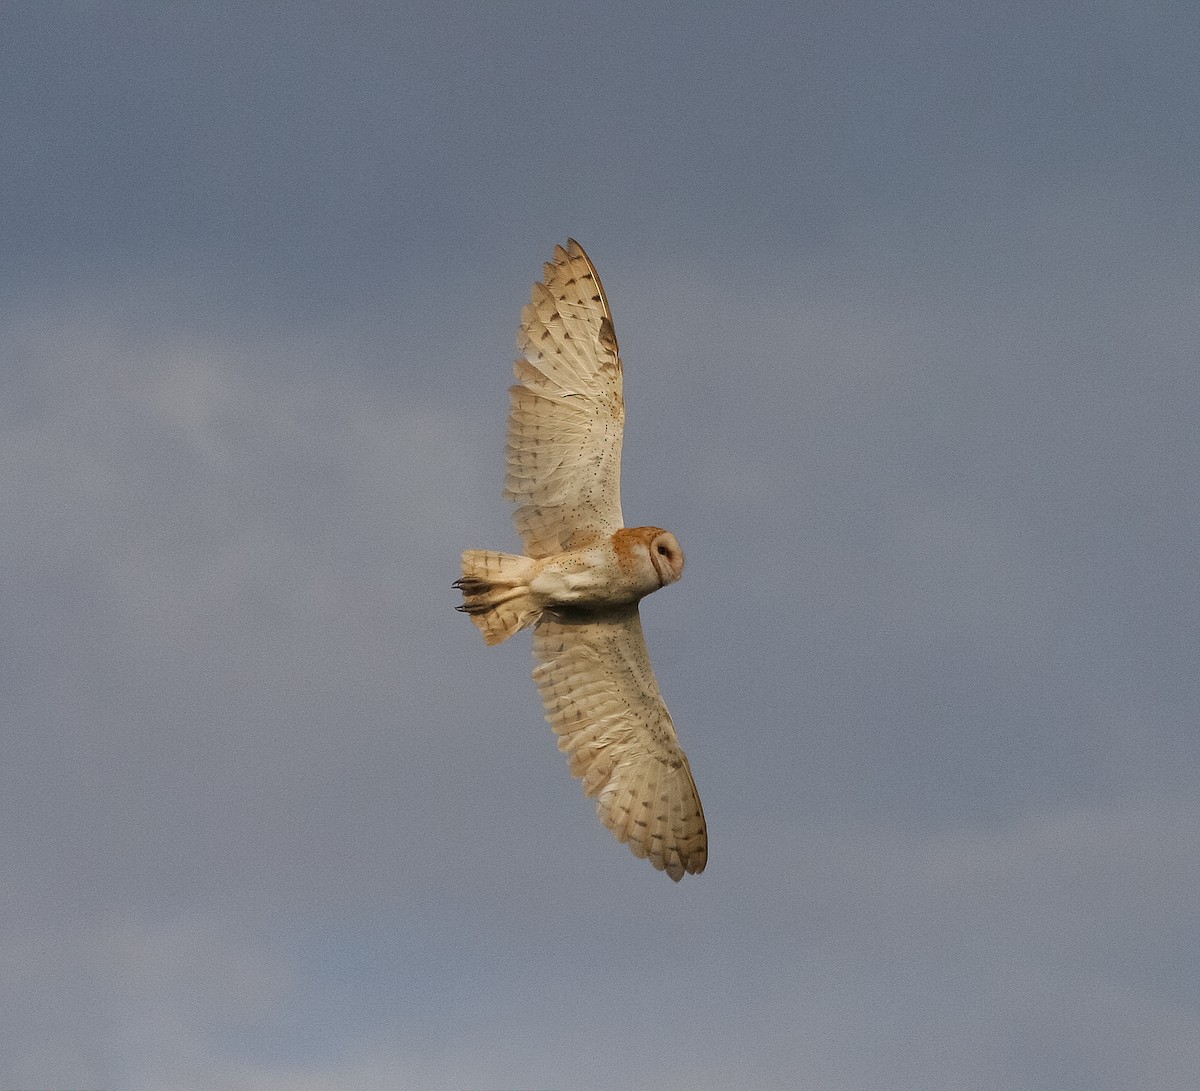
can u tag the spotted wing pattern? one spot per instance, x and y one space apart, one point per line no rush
604 704
567 414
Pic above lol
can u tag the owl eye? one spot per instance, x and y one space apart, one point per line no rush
663 551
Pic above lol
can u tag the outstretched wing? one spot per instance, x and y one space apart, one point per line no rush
567 415
603 702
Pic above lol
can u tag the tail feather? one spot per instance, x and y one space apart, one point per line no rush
496 593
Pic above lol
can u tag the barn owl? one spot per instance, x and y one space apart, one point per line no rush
584 572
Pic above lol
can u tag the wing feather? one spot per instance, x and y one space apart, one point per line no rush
603 701
567 412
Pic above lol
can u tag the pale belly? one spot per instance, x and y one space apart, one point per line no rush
586 581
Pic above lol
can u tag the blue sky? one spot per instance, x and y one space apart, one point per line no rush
908 299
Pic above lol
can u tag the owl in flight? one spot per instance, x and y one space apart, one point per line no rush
579 585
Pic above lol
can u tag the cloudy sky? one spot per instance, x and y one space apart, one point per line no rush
909 300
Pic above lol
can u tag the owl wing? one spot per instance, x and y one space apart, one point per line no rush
603 702
567 414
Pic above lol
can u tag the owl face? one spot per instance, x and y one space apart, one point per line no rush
666 557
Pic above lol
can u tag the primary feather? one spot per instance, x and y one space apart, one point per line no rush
567 415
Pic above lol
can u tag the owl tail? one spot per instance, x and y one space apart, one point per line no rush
496 594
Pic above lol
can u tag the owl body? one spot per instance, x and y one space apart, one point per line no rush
503 592
633 563
584 572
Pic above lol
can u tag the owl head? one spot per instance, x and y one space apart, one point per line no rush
648 557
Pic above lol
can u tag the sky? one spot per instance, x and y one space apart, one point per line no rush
909 304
